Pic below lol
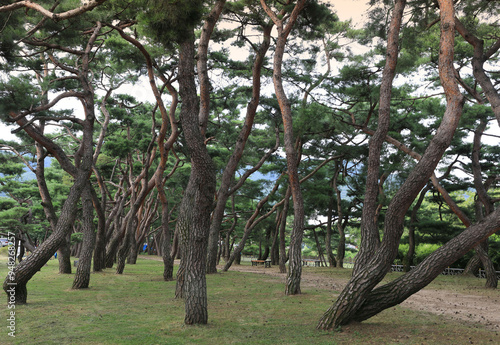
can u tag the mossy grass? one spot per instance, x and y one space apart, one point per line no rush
138 307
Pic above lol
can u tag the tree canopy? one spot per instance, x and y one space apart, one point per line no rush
208 130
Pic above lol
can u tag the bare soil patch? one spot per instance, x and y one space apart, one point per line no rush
480 308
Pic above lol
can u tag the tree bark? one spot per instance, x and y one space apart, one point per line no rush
128 233
370 237
64 255
82 276
365 279
295 251
204 80
193 222
80 171
100 242
485 199
100 205
275 251
478 60
340 218
282 231
403 287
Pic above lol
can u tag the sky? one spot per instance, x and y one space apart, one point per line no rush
354 9
346 9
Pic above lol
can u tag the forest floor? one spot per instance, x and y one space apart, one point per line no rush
470 303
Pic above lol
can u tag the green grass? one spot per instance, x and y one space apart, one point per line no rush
138 307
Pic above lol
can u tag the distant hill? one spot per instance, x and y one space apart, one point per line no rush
28 174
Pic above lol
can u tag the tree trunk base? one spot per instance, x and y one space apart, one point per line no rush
16 294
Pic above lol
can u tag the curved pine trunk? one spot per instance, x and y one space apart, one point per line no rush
352 300
82 276
292 158
34 262
403 287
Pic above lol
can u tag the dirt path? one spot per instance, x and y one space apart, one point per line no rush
458 306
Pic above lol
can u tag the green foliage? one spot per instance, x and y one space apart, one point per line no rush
171 20
76 237
329 109
421 251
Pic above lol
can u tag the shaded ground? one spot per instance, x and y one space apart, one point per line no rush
481 308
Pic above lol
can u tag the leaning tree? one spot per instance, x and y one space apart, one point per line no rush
361 299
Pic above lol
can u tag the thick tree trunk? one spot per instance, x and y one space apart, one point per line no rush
134 251
403 287
115 233
193 222
34 262
204 110
64 255
111 250
82 276
491 274
351 300
179 278
473 266
485 199
124 249
176 253
295 251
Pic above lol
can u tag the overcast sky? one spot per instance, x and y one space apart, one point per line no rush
346 9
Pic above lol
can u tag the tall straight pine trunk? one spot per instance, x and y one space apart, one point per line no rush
193 222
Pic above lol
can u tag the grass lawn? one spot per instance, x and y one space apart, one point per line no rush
138 307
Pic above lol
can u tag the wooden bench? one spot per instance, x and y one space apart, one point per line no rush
306 261
266 263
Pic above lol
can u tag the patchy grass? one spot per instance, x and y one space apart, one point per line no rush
138 307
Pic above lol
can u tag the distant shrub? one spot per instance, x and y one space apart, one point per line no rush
424 250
